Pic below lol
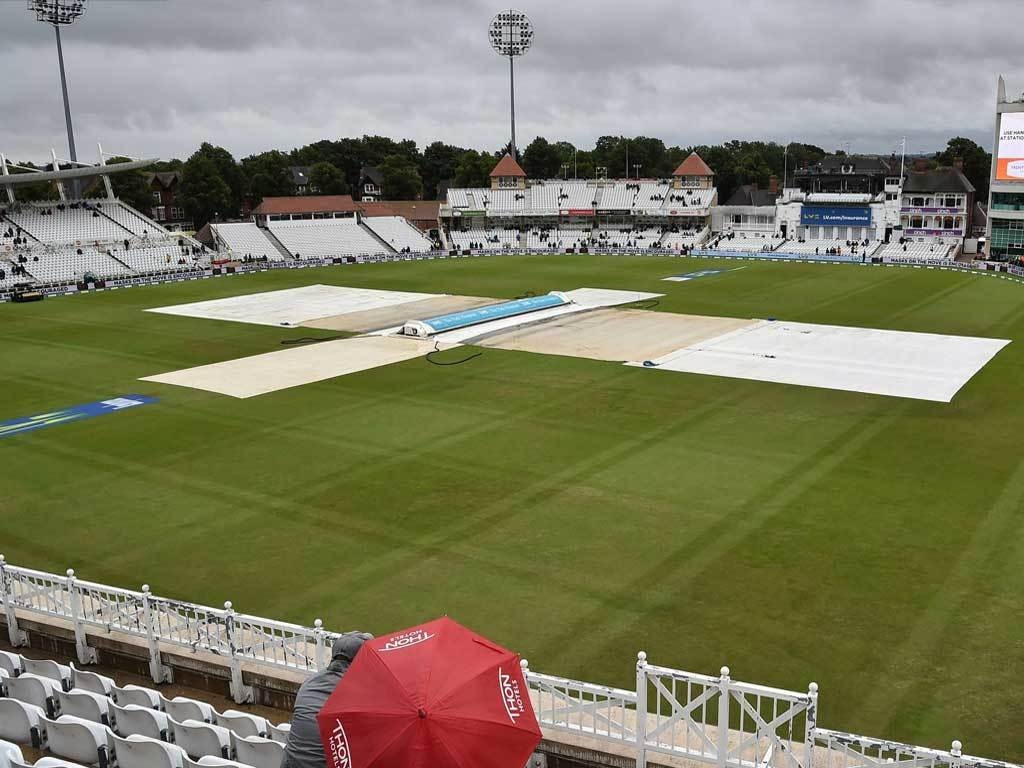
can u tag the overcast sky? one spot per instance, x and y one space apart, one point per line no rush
157 77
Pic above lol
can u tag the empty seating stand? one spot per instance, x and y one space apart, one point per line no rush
247 239
325 238
398 233
921 250
65 242
52 223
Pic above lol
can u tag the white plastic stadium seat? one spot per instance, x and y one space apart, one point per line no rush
242 723
87 705
142 721
213 762
48 668
55 762
33 689
181 709
279 732
9 753
22 723
11 662
91 681
200 739
138 695
209 761
144 752
80 740
257 752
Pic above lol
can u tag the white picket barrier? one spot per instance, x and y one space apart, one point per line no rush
237 637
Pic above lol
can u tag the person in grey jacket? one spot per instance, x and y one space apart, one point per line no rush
304 748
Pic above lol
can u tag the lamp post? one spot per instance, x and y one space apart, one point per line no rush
511 35
636 170
785 166
61 13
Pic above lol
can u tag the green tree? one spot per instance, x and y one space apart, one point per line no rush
751 168
30 193
344 154
439 164
267 175
131 187
542 160
203 193
327 179
977 162
609 153
173 164
229 172
474 169
402 179
650 155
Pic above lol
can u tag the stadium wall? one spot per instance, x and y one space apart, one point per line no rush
1006 271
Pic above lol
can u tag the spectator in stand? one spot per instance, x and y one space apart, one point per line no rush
304 748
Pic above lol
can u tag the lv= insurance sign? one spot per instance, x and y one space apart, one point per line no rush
1010 162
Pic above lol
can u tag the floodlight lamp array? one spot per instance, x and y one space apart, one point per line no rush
57 12
511 33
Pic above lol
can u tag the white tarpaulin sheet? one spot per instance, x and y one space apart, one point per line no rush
286 368
293 306
922 366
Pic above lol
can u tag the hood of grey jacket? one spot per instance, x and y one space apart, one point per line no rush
304 748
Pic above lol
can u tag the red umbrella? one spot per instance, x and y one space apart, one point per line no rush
434 696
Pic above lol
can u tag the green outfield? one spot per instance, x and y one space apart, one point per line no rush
577 511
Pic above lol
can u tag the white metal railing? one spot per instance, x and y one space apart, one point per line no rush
683 715
848 750
90 606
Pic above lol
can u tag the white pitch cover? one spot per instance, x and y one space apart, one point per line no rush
293 306
921 366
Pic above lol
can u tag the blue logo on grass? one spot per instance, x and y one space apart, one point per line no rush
697 275
693 275
74 413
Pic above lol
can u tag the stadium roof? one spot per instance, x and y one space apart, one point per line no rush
166 178
942 180
508 167
748 194
81 172
860 163
413 210
306 204
373 173
694 165
300 174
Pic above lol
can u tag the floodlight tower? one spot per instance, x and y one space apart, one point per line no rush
60 13
511 35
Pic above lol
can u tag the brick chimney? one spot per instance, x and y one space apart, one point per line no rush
958 163
921 164
773 184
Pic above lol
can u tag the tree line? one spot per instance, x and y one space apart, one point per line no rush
216 185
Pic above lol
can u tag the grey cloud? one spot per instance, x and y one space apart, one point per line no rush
156 77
